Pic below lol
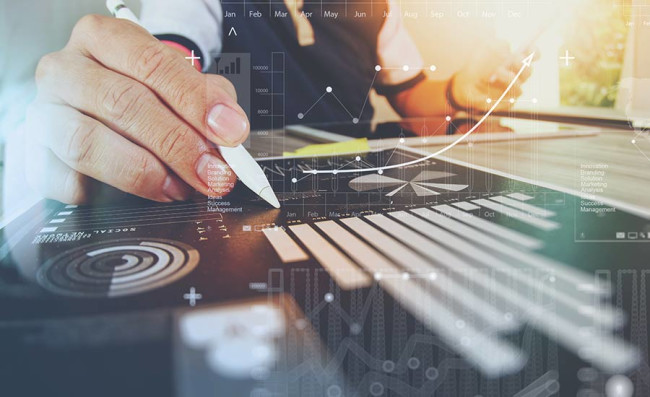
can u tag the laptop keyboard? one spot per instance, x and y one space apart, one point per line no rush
469 280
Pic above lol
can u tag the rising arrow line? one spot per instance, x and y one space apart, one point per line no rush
526 63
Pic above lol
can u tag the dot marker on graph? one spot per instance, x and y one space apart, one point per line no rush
424 140
377 276
433 276
380 172
633 141
431 373
433 68
334 172
413 363
329 297
405 276
294 180
355 120
534 100
488 100
401 140
512 100
358 158
448 118
377 68
328 89
405 68
300 116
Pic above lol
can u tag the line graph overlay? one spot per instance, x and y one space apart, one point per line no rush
525 64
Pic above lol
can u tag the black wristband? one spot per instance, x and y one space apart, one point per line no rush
185 42
388 90
450 96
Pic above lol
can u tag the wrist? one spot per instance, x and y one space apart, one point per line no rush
452 96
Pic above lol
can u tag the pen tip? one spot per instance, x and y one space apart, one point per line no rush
114 5
268 195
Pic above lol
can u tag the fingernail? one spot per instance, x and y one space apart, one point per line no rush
227 124
215 174
175 189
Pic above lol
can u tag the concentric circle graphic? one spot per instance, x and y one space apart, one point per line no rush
117 268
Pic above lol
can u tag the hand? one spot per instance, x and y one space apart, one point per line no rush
117 106
487 75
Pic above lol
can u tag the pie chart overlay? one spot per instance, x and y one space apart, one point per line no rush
117 268
423 184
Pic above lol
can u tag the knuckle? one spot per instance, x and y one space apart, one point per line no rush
88 23
46 66
123 100
136 175
172 145
80 148
149 61
189 95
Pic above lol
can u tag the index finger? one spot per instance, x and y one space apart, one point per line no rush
205 102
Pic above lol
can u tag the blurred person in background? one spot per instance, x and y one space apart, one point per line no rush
120 106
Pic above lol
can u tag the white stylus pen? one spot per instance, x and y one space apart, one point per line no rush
241 162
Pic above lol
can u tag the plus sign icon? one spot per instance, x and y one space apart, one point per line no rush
192 296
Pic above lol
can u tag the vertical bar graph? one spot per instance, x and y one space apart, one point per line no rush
234 67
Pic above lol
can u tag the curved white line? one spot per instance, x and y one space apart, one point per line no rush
526 63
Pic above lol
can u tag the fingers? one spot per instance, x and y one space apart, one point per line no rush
207 103
132 110
85 146
503 78
51 178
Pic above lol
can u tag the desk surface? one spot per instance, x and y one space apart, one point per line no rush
560 161
95 331
556 161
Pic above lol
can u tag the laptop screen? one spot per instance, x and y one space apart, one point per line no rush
593 60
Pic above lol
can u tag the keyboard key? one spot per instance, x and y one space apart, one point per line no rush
287 249
531 209
418 268
490 354
464 205
490 227
346 274
543 224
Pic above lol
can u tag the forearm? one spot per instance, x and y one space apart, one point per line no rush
425 99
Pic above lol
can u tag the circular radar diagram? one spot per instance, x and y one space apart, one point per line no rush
117 268
423 184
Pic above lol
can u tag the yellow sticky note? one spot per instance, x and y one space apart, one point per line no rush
351 146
